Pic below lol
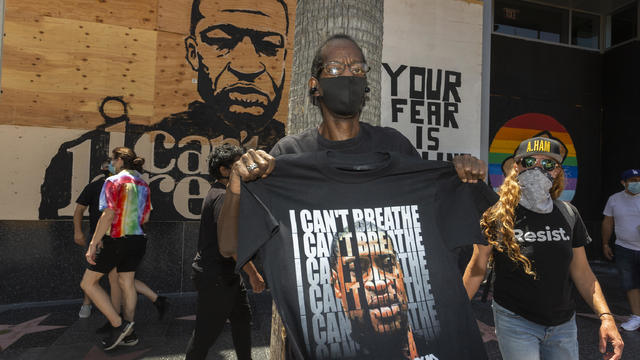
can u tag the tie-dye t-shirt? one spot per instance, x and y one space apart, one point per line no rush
128 195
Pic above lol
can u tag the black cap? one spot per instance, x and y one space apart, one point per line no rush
540 146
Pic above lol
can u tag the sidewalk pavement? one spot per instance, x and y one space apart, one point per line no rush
54 331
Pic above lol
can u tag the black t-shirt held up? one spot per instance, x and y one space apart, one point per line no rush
548 242
357 252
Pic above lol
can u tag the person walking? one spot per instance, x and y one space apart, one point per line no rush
125 205
537 246
89 198
622 213
221 292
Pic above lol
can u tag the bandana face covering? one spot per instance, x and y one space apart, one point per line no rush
535 184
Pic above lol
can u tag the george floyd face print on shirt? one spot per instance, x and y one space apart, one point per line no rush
363 282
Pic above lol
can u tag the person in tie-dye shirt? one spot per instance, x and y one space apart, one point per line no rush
127 194
119 241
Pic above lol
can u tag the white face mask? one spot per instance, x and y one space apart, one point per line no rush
535 184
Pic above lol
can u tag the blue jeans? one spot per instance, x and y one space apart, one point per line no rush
521 339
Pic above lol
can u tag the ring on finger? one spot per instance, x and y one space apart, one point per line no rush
252 166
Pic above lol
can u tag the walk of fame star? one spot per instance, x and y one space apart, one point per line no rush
9 334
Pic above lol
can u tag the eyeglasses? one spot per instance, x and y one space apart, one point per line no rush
546 164
336 68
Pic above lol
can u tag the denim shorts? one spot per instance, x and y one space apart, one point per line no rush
521 339
628 263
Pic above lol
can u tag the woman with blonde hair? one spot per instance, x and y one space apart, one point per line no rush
536 245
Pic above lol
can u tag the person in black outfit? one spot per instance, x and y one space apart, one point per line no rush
89 198
221 292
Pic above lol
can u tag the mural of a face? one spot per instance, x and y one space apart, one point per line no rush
369 282
238 50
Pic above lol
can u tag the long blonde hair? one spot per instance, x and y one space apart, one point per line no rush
497 221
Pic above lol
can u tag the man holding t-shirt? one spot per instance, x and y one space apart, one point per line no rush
337 86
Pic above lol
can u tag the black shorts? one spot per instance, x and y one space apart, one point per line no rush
124 254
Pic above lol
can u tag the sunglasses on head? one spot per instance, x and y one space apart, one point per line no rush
546 164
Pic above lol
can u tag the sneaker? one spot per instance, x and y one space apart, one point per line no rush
130 340
161 305
117 335
632 324
85 311
104 329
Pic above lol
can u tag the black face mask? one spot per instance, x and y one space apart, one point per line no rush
343 95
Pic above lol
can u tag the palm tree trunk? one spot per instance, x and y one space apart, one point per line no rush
316 20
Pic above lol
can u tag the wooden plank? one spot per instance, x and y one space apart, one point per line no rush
139 14
174 88
174 16
57 71
283 111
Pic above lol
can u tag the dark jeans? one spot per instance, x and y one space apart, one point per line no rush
628 263
219 299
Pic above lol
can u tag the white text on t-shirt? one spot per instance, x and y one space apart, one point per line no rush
541 236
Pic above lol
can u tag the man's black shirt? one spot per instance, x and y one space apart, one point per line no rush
369 139
90 196
208 259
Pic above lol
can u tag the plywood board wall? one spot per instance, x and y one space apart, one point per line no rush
106 73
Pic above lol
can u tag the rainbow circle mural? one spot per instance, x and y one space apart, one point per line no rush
523 127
